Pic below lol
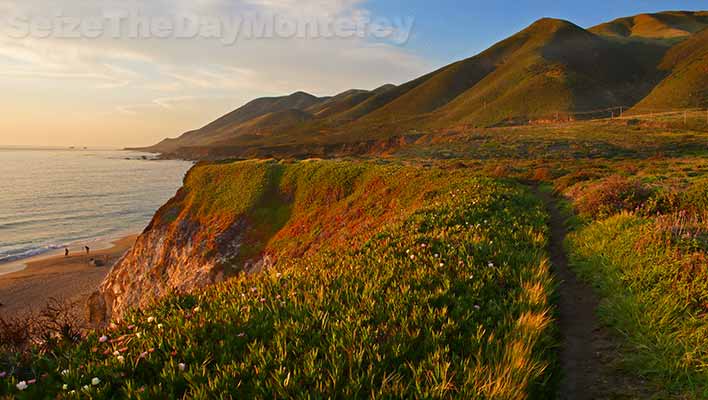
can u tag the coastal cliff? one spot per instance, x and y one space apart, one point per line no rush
242 217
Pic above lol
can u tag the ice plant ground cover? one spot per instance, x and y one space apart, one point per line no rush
453 301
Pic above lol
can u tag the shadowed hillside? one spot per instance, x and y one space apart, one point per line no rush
552 66
686 83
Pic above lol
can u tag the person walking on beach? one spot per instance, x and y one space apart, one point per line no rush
88 250
66 252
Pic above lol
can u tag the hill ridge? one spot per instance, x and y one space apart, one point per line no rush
553 66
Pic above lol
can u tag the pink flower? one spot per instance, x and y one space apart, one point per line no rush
31 381
3 374
241 334
144 354
103 339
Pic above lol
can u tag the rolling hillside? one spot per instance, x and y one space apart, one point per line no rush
553 66
551 70
686 82
667 25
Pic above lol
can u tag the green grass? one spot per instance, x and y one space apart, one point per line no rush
646 257
655 293
451 302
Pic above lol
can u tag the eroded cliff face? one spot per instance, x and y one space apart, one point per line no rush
165 259
242 217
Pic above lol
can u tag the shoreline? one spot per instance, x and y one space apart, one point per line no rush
53 276
75 248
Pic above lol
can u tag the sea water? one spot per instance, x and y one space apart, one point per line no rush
56 198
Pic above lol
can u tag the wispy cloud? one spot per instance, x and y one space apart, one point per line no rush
144 77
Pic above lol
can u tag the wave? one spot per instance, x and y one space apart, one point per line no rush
28 253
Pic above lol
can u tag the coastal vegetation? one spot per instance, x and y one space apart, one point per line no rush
451 301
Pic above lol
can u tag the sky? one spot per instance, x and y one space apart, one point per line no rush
116 73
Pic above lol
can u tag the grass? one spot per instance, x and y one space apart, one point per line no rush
348 312
640 238
451 302
654 285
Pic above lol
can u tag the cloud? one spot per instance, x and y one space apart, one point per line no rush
147 76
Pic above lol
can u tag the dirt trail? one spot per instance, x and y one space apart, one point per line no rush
588 352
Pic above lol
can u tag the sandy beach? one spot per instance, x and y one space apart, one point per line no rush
68 279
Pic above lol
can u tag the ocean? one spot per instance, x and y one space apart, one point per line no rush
56 198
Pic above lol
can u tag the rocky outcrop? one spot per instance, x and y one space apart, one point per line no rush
163 260
186 248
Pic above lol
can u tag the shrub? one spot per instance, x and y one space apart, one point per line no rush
566 181
612 195
542 175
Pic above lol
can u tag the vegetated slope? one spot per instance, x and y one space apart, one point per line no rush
551 67
643 242
450 301
552 70
245 216
343 102
654 286
228 125
665 25
686 81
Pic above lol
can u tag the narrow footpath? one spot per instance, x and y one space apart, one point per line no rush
588 352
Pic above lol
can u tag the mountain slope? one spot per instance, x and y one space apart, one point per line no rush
666 25
554 67
686 83
551 70
227 127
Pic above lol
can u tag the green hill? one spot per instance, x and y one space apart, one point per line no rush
666 25
551 67
228 126
686 81
553 70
